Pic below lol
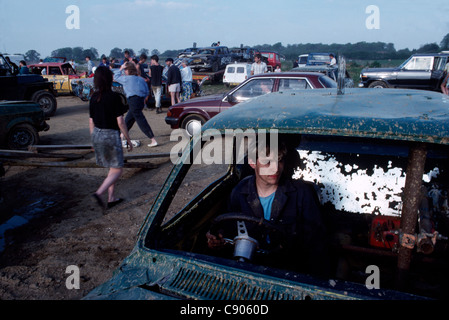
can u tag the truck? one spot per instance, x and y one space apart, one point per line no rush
30 87
420 71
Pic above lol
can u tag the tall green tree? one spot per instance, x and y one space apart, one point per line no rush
32 56
444 44
116 53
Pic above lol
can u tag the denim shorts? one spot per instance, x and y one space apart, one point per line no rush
108 148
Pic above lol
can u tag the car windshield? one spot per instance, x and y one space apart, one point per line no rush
254 88
318 58
206 51
358 184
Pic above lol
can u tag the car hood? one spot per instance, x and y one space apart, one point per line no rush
379 70
197 102
201 56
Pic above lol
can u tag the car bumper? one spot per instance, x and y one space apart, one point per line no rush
173 122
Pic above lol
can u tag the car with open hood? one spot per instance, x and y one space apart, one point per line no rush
378 162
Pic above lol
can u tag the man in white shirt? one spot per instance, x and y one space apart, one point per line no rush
333 62
258 66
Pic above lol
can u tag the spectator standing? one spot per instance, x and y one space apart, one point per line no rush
73 64
104 62
174 81
187 78
155 73
333 61
127 58
136 90
106 121
90 66
258 66
23 69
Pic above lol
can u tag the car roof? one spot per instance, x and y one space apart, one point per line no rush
407 115
49 64
287 74
441 54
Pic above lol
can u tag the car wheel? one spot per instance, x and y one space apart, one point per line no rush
21 136
215 67
192 124
47 102
378 84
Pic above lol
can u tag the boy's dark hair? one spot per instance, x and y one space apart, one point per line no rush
169 59
23 62
143 56
155 57
258 55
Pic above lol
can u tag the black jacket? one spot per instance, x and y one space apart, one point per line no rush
173 75
295 210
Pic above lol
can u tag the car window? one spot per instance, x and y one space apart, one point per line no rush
293 84
254 88
231 69
205 170
54 71
240 69
419 63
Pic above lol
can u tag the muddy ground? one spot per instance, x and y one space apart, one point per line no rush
65 227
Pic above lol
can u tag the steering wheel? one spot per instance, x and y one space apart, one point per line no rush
244 237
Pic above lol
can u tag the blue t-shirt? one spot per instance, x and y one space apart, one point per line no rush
266 203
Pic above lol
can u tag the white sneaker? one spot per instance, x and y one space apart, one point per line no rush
135 143
152 144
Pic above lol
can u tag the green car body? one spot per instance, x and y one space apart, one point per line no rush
169 260
20 123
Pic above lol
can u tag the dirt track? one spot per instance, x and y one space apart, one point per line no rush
69 228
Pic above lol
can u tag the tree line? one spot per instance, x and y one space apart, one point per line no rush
360 51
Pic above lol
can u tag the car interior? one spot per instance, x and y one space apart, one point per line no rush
358 182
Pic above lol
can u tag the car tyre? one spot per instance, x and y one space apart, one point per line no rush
192 124
21 136
378 84
47 102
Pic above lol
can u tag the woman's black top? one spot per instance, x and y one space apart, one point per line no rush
105 111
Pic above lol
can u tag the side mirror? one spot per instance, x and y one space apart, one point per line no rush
231 98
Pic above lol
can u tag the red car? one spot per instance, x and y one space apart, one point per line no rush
273 58
192 114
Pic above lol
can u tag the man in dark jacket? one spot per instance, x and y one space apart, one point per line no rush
291 205
174 81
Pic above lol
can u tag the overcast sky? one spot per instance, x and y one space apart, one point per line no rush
176 24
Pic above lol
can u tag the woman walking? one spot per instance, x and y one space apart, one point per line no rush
106 121
187 77
136 90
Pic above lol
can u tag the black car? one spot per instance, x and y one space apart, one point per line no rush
420 71
211 58
27 87
20 122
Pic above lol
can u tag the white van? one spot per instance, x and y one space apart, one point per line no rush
236 73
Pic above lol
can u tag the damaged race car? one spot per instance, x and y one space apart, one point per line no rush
362 194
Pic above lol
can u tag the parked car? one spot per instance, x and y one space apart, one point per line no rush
244 54
20 124
27 87
273 59
318 59
421 71
302 60
236 73
60 73
368 155
191 115
211 58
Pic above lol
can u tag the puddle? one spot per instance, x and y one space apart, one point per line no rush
34 205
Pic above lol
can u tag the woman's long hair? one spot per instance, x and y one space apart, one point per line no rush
102 81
